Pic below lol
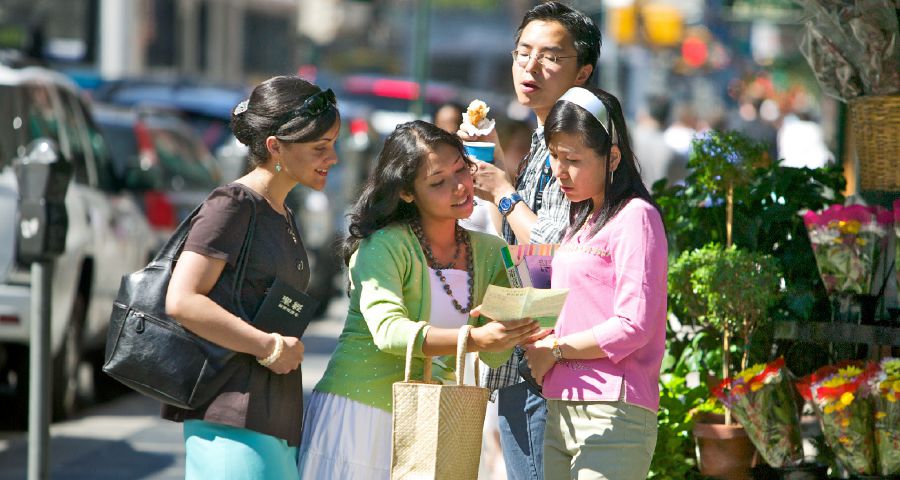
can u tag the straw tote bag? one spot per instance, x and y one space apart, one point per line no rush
437 429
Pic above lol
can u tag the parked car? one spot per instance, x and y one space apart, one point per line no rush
158 156
107 236
205 106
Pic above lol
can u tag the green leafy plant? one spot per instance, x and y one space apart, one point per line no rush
674 454
727 289
767 198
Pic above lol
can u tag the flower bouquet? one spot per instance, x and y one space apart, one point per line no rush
848 243
763 401
844 408
885 384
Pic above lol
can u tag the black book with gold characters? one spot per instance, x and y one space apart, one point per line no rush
285 310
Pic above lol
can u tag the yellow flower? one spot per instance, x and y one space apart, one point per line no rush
755 386
850 370
851 227
880 415
828 409
751 372
844 440
835 381
861 241
891 397
847 398
896 386
845 422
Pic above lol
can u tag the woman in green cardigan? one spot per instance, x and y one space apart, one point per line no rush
409 262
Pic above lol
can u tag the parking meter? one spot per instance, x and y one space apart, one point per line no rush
43 180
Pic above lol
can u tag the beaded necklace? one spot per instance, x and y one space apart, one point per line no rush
462 238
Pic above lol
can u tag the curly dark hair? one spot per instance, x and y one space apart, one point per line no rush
379 204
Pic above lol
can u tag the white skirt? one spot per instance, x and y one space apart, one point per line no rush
344 439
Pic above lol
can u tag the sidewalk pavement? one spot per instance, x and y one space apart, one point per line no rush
125 439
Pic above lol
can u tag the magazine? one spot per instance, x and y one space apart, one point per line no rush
529 265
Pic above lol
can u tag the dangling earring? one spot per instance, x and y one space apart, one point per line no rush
612 176
277 167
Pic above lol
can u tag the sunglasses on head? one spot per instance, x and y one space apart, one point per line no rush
313 106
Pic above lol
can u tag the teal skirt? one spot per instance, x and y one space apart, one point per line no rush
220 451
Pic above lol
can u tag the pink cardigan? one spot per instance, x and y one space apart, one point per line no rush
617 289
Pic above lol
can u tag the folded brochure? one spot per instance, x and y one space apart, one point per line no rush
542 304
285 310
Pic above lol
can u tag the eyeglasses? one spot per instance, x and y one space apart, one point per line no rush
313 106
522 57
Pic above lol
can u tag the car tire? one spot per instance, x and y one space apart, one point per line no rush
68 388
15 385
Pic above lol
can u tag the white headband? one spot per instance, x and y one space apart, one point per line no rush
588 101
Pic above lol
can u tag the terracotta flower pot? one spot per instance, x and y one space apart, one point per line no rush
723 451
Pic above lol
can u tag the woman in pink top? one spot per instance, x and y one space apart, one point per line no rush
600 367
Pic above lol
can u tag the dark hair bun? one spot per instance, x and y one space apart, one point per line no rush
264 113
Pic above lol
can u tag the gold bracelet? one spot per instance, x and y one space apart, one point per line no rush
273 357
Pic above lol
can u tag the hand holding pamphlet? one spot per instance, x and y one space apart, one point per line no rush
542 304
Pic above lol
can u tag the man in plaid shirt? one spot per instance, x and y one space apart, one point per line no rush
556 49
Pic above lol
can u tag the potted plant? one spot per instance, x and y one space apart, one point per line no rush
729 291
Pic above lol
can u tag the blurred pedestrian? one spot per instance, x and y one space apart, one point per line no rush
650 147
556 48
678 136
251 429
600 367
409 261
751 123
801 142
448 116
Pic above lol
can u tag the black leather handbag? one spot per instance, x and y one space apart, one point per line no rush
155 355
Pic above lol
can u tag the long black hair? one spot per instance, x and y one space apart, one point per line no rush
268 112
379 205
569 118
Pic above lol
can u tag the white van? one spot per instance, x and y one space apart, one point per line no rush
108 236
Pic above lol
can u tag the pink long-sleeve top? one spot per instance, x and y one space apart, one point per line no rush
617 290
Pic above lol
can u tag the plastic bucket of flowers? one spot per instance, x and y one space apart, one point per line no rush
843 403
850 248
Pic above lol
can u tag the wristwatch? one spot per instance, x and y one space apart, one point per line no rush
506 204
556 351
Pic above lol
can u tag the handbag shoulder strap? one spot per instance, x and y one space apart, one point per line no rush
173 246
241 263
426 368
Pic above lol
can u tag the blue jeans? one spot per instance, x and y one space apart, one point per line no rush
522 417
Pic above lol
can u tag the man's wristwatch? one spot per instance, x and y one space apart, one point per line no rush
506 204
556 351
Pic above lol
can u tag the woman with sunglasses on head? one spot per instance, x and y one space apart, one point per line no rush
251 429
409 262
599 368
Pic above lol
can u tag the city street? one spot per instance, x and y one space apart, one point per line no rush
126 439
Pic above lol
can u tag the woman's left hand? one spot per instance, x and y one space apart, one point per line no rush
540 357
